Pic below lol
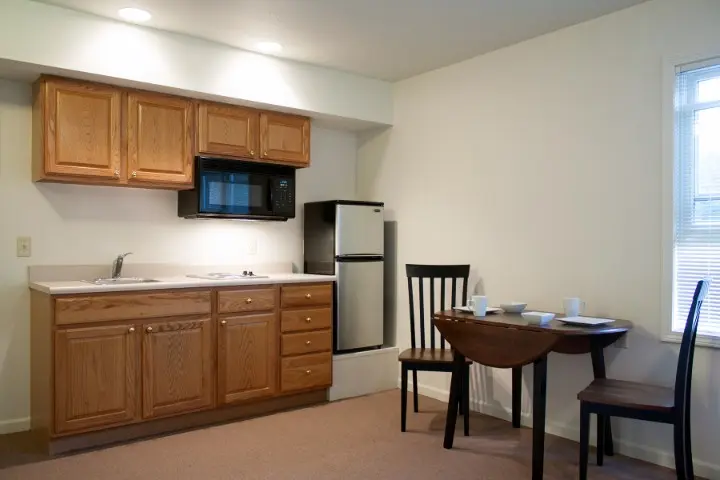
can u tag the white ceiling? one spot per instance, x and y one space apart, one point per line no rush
386 39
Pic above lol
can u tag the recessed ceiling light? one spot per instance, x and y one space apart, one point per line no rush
269 47
134 14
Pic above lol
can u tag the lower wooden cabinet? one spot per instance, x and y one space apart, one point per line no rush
247 357
177 366
115 360
96 377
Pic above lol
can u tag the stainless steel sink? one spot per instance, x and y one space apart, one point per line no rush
120 281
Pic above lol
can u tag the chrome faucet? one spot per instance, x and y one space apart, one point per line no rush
118 264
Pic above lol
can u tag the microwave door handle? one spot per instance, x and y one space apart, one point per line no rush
271 207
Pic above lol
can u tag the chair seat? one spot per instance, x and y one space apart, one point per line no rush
428 355
629 394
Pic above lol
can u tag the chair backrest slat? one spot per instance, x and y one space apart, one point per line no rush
422 312
442 307
432 311
432 273
683 377
412 312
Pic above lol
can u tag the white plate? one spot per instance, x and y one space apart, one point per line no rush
586 321
466 309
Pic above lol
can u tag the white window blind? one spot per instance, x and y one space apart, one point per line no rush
696 249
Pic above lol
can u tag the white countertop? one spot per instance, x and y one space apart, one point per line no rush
76 286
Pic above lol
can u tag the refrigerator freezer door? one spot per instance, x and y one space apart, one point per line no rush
359 304
359 230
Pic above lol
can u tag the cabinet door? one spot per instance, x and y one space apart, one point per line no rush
81 129
177 369
285 138
159 139
247 358
96 377
227 130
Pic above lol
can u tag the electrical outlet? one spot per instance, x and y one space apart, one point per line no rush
24 246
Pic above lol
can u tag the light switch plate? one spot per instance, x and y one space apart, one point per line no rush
24 246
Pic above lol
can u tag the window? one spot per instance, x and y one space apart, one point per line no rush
696 241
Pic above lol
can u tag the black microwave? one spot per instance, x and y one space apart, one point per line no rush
236 189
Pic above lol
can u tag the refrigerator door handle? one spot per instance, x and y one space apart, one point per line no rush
359 258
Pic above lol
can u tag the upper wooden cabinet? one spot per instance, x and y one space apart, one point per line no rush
90 133
96 377
227 130
77 131
178 366
159 139
285 139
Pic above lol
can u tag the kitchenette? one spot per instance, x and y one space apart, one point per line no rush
221 313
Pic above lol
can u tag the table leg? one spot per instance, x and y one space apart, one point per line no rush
452 410
598 363
516 396
539 399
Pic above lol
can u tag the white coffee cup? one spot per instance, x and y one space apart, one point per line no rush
573 307
479 305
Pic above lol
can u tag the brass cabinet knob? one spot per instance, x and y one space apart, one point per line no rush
265 153
134 174
223 322
117 173
131 330
148 329
307 295
248 300
308 372
308 320
308 342
252 152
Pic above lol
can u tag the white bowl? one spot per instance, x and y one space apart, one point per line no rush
513 307
538 318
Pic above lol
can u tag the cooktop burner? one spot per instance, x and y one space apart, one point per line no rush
228 276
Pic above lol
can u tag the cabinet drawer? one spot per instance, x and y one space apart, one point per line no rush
306 371
306 295
246 300
306 342
101 308
309 319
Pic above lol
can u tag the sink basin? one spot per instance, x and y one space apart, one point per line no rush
120 281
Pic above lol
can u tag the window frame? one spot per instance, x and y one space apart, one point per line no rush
671 197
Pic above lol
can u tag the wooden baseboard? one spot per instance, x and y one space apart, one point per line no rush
151 428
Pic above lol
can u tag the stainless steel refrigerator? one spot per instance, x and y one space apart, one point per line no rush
346 238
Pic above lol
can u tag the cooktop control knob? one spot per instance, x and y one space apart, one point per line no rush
245 273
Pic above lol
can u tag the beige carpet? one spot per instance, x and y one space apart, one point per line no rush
353 439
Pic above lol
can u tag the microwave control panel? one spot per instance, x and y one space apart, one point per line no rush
283 197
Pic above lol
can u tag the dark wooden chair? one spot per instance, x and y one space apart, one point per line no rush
432 359
617 398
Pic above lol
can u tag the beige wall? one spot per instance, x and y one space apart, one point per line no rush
71 224
541 165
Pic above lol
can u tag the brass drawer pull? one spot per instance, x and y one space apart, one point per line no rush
308 319
149 330
307 295
223 322
131 330
308 372
248 300
308 342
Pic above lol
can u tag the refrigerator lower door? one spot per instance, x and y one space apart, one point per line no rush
359 300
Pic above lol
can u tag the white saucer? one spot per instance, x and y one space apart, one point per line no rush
466 309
